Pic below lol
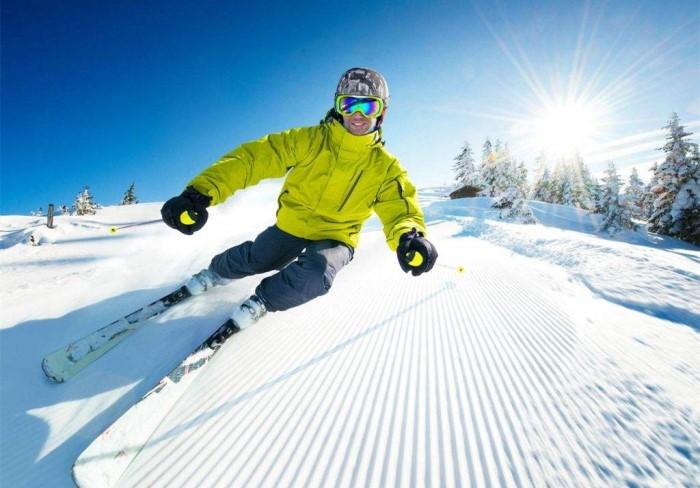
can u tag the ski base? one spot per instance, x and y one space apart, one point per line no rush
108 456
64 363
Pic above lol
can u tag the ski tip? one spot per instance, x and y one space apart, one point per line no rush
79 478
50 375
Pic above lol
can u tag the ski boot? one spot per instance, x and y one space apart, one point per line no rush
249 312
202 281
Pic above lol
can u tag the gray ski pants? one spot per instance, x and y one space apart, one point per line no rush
306 268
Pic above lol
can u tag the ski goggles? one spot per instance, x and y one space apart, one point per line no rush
367 106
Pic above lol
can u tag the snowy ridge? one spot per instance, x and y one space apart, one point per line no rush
519 371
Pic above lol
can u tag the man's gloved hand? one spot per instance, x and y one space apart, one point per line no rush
416 254
186 212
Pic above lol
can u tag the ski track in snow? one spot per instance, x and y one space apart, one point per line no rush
512 373
434 383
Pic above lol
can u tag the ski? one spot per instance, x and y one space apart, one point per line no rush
64 363
108 456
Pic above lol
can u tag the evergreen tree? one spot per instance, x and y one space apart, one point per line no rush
499 172
581 182
595 190
571 184
567 187
466 172
488 169
635 194
685 210
542 187
513 206
129 197
674 173
84 203
616 214
521 180
562 188
649 196
486 150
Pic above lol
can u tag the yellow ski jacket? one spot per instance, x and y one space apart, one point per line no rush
334 181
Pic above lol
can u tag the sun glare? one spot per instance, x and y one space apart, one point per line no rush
564 129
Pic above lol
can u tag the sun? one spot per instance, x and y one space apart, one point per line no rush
563 129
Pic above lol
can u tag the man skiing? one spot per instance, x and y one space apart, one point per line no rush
337 173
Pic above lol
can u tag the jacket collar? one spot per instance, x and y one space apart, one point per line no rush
343 139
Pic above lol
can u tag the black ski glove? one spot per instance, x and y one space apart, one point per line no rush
410 244
186 212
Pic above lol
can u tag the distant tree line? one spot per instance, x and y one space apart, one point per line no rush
85 203
669 203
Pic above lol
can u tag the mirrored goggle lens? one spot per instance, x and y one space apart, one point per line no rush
369 107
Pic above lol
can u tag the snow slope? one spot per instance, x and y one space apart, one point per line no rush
557 357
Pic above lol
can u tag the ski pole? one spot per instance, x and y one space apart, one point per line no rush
459 268
114 229
417 259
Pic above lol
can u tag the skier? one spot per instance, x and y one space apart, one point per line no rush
337 173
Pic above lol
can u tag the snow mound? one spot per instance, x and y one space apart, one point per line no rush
633 271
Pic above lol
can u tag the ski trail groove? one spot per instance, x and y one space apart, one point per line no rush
476 379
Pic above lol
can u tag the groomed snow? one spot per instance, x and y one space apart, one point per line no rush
557 357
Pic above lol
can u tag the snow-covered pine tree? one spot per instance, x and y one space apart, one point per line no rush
671 175
499 172
595 190
464 168
129 197
542 186
521 179
488 170
562 185
506 172
685 210
581 179
513 206
84 203
556 182
616 214
510 188
635 194
650 196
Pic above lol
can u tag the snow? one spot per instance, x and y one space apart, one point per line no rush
558 356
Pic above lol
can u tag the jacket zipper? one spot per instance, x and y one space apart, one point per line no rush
352 188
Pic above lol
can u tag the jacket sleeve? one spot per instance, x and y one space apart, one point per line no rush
268 157
397 206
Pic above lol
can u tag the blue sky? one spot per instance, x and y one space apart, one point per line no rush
106 93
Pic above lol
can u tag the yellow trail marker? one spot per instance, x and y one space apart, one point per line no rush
112 230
